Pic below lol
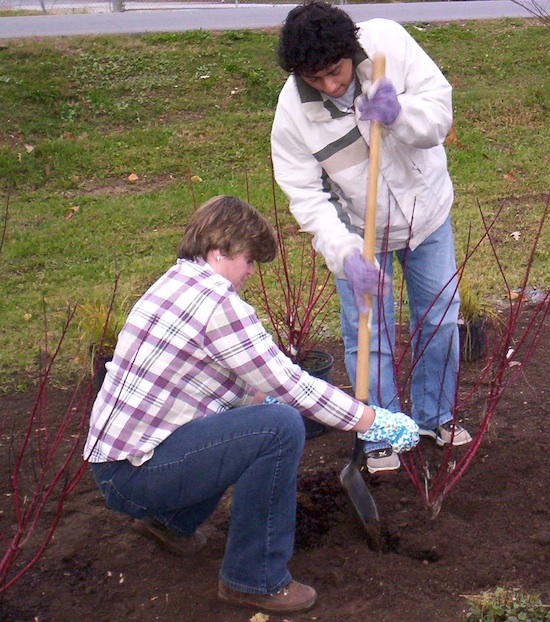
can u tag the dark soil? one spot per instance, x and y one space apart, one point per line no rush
492 530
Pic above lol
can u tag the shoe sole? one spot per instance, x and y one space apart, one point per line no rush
381 469
243 602
439 441
429 434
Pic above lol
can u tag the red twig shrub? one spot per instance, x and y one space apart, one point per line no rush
507 355
294 291
47 465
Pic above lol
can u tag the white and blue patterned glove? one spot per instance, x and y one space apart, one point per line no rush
270 400
398 429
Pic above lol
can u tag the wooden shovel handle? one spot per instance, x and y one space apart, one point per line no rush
363 345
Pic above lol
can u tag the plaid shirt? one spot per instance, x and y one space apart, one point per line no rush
191 347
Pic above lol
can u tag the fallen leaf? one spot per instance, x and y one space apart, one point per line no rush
72 211
452 138
510 176
196 178
516 235
259 617
29 148
132 177
514 364
27 317
514 296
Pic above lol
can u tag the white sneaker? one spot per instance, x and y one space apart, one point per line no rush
384 459
447 432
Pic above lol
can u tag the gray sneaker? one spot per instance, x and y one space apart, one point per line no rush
448 432
384 459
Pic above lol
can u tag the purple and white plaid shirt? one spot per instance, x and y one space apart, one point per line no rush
191 347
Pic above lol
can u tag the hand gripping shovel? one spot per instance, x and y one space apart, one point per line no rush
351 477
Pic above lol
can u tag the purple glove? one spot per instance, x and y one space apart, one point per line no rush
383 105
363 277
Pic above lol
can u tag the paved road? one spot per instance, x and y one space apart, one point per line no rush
231 17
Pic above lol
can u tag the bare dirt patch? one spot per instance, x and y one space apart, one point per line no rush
493 530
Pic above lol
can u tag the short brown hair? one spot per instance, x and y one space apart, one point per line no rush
231 225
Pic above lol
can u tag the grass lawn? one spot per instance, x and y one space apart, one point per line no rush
107 143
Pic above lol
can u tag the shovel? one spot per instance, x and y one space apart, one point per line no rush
350 477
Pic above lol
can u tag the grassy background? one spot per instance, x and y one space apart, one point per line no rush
189 115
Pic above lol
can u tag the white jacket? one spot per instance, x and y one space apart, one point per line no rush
320 154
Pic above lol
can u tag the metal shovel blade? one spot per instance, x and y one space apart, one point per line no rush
361 498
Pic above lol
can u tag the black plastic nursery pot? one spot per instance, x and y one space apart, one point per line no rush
318 364
473 340
100 360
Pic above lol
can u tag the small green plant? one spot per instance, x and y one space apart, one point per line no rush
475 316
506 605
474 306
100 324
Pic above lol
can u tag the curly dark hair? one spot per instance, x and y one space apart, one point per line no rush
314 36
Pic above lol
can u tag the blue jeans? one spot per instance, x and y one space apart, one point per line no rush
430 277
255 449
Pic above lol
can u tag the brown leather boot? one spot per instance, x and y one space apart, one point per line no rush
179 545
293 598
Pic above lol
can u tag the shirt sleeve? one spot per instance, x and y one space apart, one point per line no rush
237 341
424 93
313 201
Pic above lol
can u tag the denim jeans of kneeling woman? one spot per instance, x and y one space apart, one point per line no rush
255 449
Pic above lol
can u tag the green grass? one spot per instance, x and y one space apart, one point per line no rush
80 115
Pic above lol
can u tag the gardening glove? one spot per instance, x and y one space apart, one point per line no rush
398 429
381 103
363 277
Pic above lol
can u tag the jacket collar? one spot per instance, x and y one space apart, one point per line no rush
319 108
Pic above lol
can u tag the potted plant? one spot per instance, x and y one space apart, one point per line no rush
474 316
294 293
100 324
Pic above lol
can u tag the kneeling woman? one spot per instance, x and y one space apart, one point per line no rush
181 415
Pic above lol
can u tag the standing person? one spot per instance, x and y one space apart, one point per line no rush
183 413
320 150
